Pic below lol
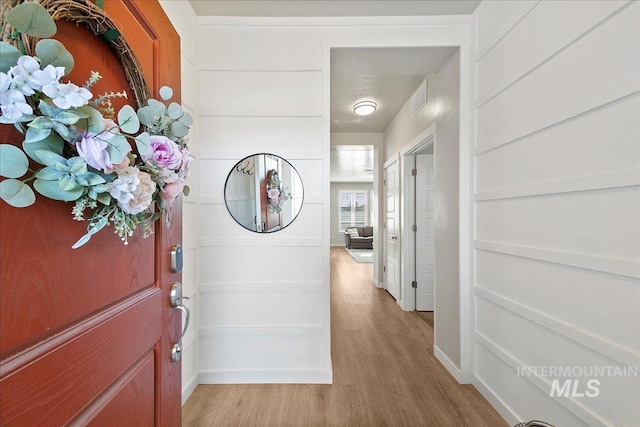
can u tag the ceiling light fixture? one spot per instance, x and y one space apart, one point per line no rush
364 108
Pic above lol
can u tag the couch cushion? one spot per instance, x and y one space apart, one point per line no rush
367 231
353 231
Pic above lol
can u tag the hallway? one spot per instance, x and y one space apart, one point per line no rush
384 373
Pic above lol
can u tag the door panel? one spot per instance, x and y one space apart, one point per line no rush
392 231
425 234
86 334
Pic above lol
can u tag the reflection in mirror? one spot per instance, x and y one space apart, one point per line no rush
263 193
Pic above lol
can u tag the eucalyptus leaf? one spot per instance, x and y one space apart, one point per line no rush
178 129
32 19
143 142
81 241
8 56
34 135
147 116
66 117
175 111
41 123
186 119
48 174
52 52
118 149
157 106
16 193
104 198
166 93
94 121
52 190
128 120
64 131
51 143
13 162
50 158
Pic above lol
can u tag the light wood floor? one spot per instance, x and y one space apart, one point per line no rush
384 373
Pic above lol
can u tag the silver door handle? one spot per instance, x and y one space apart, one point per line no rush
176 302
394 237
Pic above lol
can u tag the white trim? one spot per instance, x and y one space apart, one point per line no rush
189 388
423 140
498 404
457 374
266 377
572 405
377 284
392 160
268 241
241 154
620 267
260 287
407 219
333 21
601 345
211 331
587 183
327 365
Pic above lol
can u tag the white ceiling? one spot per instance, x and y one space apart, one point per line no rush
388 76
333 7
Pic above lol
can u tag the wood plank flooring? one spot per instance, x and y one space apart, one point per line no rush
384 373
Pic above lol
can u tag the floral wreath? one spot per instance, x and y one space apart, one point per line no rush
79 143
275 193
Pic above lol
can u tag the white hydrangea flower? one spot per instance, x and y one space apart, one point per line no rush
133 189
67 95
12 103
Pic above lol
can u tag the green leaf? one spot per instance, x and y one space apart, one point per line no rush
16 193
147 116
104 198
52 52
157 106
166 93
66 117
52 190
94 120
178 129
51 159
8 56
175 111
186 119
13 162
49 174
118 148
81 241
128 120
41 123
50 143
32 19
143 142
34 135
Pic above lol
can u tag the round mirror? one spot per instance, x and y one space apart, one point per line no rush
263 193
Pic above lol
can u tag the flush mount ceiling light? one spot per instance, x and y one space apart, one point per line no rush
364 108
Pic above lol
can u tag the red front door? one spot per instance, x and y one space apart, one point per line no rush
86 334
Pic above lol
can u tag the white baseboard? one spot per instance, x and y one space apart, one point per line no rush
461 377
497 403
266 377
188 389
377 284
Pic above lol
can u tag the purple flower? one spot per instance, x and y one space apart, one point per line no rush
93 148
164 153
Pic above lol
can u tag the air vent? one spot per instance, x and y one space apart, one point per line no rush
419 98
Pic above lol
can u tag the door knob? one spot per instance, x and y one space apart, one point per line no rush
394 237
176 302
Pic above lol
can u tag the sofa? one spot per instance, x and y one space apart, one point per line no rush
363 239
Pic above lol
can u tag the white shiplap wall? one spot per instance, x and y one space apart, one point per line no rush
264 86
557 203
264 298
184 20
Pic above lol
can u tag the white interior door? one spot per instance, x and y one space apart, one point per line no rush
425 234
392 230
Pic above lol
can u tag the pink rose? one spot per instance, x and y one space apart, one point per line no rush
273 193
170 191
163 152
